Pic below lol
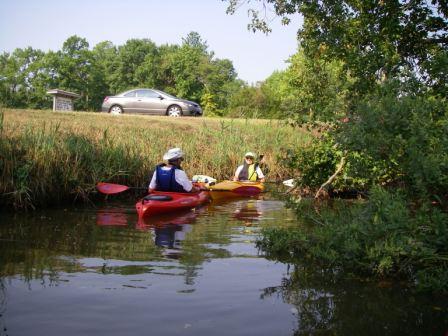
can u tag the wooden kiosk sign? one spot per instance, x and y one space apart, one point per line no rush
63 100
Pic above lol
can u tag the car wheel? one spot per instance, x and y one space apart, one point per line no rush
174 111
116 109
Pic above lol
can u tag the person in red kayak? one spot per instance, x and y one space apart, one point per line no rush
249 170
170 176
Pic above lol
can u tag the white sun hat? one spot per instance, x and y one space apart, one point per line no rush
249 154
173 154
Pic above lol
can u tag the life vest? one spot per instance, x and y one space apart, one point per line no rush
166 179
248 173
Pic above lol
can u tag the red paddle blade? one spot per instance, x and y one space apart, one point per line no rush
111 188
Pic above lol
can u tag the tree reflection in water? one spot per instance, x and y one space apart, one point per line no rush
325 305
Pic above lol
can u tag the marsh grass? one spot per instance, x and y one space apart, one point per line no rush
55 157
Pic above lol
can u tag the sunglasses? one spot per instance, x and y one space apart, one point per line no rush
249 157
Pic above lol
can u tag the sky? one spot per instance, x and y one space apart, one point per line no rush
46 24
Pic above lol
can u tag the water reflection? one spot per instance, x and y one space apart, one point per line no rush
190 273
169 230
329 303
248 211
170 236
177 218
111 217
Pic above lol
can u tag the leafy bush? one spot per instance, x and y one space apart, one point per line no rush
383 237
389 141
318 161
395 145
407 136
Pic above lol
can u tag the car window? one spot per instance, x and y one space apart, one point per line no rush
130 94
167 94
147 94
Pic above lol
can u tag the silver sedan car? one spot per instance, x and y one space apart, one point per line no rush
150 101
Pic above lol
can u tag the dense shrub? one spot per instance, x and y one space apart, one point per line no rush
408 135
383 237
390 140
395 144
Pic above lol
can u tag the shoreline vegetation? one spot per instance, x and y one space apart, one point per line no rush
394 148
58 157
382 239
51 158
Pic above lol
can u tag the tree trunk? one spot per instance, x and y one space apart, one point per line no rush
331 179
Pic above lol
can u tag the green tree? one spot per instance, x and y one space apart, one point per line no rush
79 72
247 102
216 75
391 57
105 55
185 67
376 40
134 65
194 40
261 101
279 94
319 89
8 81
17 73
47 78
166 79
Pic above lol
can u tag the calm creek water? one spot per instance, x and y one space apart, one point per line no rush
100 271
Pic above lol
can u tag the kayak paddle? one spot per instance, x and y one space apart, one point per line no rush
112 188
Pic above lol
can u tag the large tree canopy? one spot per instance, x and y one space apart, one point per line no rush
377 39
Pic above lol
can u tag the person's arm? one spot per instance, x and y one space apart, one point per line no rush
260 175
184 181
195 189
237 173
152 185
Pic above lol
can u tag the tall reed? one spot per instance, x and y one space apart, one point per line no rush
50 157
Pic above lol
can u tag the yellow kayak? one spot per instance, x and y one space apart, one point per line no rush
235 188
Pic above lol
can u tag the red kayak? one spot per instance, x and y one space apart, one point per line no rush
163 202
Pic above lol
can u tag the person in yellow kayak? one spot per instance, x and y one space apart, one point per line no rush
170 176
249 170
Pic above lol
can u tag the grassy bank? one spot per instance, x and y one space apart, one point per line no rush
55 157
